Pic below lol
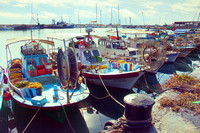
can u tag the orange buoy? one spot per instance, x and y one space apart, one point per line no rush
7 96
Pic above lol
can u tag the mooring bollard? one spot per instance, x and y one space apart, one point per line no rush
138 110
137 115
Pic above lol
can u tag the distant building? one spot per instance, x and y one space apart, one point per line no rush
187 25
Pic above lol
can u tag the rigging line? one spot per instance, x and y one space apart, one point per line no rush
67 118
109 92
195 14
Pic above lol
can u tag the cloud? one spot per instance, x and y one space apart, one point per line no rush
125 12
14 15
20 5
66 3
85 14
151 4
3 2
186 6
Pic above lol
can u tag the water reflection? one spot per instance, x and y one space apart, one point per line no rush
106 105
42 123
183 64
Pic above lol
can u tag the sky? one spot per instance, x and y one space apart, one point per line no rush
134 12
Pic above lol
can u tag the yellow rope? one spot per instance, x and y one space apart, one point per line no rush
109 92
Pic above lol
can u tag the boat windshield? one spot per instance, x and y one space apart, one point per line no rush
31 61
95 52
42 60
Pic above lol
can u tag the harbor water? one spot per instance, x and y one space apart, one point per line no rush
90 115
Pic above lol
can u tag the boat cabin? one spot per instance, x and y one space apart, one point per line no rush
90 54
35 64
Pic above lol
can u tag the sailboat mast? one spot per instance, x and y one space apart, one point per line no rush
118 15
111 16
101 16
96 12
31 22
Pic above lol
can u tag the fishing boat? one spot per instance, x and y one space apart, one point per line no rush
35 85
1 88
98 69
182 42
143 49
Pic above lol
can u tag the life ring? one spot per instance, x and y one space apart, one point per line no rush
91 38
179 42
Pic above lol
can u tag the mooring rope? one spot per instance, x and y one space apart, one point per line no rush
147 84
67 118
100 98
109 92
32 118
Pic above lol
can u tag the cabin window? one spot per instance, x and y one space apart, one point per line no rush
108 45
95 52
31 61
131 53
115 45
42 60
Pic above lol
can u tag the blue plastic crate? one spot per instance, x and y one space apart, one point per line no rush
32 92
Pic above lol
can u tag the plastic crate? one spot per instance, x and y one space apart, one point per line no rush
32 73
48 71
99 59
27 50
40 70
32 92
39 52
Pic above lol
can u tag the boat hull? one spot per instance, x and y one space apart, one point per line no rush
184 52
121 81
172 57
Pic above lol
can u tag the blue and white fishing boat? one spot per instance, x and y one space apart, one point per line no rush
98 69
35 85
182 43
1 87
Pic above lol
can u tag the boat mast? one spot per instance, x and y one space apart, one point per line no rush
111 16
31 22
100 17
96 12
143 17
118 15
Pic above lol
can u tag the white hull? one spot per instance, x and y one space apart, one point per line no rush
122 83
